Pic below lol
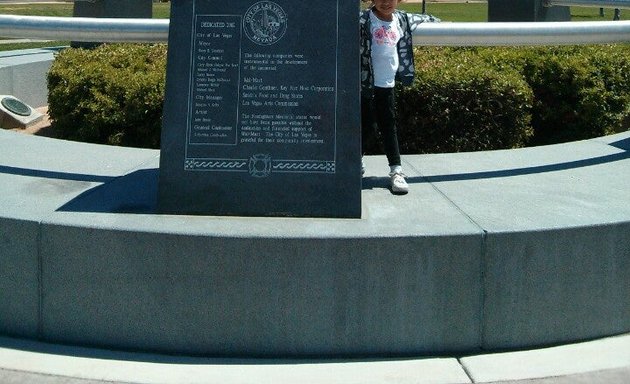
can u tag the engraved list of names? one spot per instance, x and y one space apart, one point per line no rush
215 80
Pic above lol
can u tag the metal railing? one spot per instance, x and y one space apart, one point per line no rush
522 33
445 34
85 29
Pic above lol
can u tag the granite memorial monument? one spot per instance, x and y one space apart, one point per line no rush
261 114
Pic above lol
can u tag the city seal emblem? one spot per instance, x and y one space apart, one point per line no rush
260 165
265 22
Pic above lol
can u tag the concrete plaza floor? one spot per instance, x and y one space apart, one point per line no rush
603 361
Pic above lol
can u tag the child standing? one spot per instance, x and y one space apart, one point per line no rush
386 57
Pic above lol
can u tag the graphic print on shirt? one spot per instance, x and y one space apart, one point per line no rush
385 35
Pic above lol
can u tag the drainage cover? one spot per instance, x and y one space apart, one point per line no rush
16 106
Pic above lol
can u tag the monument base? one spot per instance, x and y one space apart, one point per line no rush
113 8
525 10
142 9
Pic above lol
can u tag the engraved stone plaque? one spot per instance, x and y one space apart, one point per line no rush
14 113
14 105
261 116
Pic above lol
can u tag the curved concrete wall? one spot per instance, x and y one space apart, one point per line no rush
489 250
23 74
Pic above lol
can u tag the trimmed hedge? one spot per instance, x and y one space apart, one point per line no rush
580 92
463 99
469 99
459 103
112 94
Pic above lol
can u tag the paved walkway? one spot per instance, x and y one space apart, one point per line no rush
21 41
604 361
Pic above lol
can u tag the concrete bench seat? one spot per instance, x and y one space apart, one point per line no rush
489 250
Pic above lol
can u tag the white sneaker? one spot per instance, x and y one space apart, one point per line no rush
362 168
399 184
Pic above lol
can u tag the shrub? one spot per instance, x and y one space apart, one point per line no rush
463 99
467 99
112 94
458 103
579 94
579 91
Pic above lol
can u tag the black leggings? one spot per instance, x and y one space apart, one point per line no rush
378 113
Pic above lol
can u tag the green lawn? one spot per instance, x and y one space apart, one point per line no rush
160 10
37 9
458 12
592 14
